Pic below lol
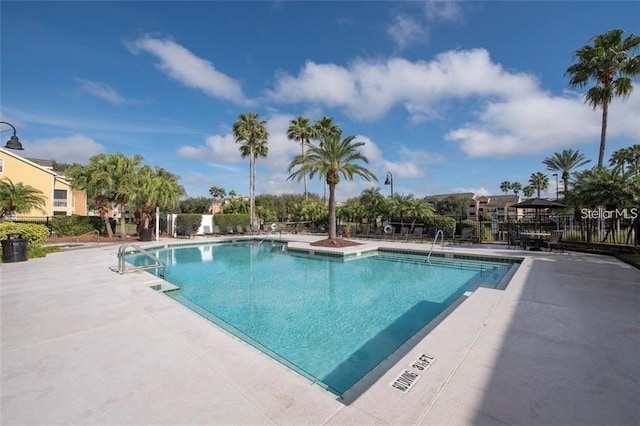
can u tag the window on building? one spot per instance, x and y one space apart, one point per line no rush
59 198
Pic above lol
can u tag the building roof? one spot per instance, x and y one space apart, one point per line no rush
502 200
465 195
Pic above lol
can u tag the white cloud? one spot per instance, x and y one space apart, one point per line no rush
101 90
377 162
443 10
480 191
406 30
73 149
368 89
421 156
184 66
541 123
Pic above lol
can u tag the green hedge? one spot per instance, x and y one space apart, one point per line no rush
476 226
36 234
233 220
188 223
77 225
441 222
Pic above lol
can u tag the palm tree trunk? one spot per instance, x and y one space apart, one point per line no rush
123 221
252 178
332 211
304 178
603 133
107 225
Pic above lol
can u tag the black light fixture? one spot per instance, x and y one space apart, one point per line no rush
389 181
14 142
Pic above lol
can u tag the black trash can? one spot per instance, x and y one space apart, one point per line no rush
14 248
146 234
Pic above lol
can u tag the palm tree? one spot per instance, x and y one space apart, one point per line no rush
218 192
419 209
252 135
516 187
325 127
123 172
155 187
565 162
400 205
539 181
612 189
505 186
300 130
109 179
528 191
19 198
629 157
329 159
610 64
373 201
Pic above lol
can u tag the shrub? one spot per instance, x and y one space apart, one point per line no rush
36 234
444 223
77 225
188 223
476 226
233 220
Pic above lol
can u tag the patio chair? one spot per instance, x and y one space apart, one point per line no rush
377 234
466 236
229 229
417 232
239 229
514 240
555 240
404 233
364 231
216 230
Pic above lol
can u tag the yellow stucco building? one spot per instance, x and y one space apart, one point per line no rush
60 198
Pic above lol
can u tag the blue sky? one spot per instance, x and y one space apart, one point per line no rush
448 96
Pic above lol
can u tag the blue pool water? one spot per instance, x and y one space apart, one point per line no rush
329 319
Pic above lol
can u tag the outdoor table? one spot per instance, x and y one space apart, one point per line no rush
536 238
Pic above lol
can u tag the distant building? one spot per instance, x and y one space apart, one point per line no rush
60 197
485 207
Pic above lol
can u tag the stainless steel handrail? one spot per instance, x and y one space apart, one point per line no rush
158 264
434 243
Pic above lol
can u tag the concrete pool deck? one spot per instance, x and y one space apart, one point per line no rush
80 344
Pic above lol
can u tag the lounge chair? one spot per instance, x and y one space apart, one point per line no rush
417 232
229 229
216 230
514 240
466 236
239 229
555 240
404 233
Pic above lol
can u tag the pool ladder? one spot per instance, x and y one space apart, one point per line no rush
158 264
434 243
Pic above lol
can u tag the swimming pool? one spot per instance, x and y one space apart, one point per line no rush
329 319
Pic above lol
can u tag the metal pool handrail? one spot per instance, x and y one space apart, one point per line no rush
434 242
157 265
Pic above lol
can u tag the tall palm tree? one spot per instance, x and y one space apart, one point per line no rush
299 130
505 186
516 187
373 201
565 162
123 172
329 159
155 187
19 198
610 64
325 127
528 191
629 157
218 192
612 189
252 135
539 181
418 208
